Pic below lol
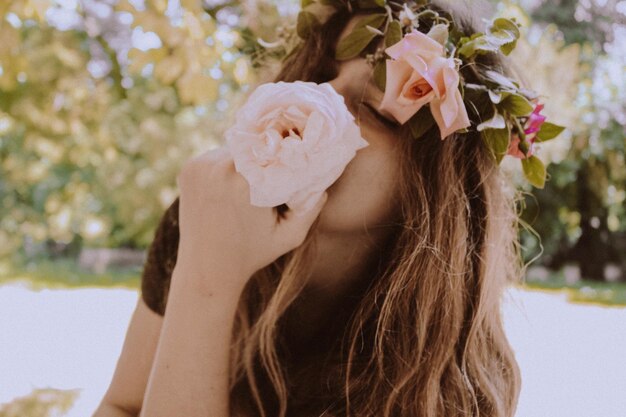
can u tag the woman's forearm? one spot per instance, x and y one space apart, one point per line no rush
189 376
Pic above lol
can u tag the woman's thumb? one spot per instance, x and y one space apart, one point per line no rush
313 209
300 219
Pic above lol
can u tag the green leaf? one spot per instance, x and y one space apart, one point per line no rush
381 3
305 3
517 105
497 141
352 45
501 37
504 30
380 74
307 23
548 131
502 23
495 41
496 122
508 48
369 4
478 45
476 87
529 94
496 96
499 79
374 30
375 20
421 122
534 171
394 33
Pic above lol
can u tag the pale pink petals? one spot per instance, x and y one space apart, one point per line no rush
416 41
398 101
418 74
460 121
291 141
449 112
439 33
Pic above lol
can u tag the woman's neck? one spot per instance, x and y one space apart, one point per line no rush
341 269
341 261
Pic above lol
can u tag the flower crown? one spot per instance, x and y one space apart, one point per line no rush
419 72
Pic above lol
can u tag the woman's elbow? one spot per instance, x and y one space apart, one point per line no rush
106 409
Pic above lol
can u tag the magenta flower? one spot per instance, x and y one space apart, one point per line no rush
535 121
532 126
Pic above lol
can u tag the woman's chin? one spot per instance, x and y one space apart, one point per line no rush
346 215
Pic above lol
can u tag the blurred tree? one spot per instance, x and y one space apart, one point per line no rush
587 189
102 100
100 103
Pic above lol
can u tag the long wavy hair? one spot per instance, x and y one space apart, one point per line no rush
423 335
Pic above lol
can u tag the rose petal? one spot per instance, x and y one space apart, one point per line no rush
449 107
415 41
460 121
304 201
314 128
299 142
398 73
439 33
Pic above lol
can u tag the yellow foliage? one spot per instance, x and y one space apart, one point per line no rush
195 88
184 54
98 156
169 69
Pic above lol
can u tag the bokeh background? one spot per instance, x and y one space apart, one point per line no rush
101 101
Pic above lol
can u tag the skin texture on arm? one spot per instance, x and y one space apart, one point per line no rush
125 394
126 391
223 241
190 371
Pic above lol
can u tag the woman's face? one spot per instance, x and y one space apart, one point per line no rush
363 197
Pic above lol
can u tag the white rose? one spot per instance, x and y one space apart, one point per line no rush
291 141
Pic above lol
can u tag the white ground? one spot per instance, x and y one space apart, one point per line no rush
573 357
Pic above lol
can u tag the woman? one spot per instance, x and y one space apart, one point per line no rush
382 300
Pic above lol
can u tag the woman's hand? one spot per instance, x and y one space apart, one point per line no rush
221 231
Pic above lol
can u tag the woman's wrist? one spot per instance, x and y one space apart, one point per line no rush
209 279
191 366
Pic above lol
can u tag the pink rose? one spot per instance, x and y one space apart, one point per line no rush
419 73
291 141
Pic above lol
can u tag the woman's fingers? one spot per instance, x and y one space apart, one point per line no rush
213 163
298 222
215 154
218 215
